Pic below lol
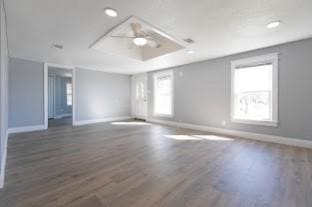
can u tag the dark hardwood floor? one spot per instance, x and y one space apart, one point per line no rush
60 122
133 164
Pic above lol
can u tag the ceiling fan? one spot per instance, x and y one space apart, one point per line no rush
140 37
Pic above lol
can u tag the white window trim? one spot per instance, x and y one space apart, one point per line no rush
269 58
155 75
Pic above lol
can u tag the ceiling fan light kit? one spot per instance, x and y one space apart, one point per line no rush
140 41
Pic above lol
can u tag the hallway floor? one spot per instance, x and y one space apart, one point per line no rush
60 122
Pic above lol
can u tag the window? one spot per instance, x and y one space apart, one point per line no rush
69 94
254 90
163 93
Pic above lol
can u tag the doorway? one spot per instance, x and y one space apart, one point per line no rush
59 96
139 96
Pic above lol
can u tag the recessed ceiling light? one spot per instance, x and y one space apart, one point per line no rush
190 51
111 12
273 24
140 41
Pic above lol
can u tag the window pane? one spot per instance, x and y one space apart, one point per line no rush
256 78
69 92
253 93
163 95
69 89
69 100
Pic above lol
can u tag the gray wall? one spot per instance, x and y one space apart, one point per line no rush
25 93
98 94
202 94
101 95
3 92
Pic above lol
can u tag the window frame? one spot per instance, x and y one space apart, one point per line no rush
155 76
271 58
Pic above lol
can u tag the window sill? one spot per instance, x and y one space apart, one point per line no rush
251 122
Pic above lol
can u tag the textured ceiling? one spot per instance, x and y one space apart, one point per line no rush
219 28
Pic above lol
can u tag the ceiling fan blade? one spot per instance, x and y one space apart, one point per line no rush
114 36
136 28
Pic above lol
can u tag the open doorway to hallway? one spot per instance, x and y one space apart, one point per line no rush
60 96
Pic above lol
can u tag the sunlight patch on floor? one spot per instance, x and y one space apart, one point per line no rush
182 137
213 137
198 137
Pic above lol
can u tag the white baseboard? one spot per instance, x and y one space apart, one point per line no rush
94 121
247 135
3 162
26 129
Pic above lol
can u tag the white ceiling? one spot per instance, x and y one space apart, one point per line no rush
219 28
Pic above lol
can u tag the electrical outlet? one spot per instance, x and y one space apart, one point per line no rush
223 123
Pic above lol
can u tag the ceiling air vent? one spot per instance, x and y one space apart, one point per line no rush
57 46
189 40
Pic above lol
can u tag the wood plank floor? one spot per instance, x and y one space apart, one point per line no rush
147 165
60 122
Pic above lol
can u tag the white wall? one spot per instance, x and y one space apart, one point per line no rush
3 94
